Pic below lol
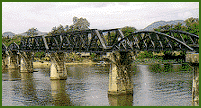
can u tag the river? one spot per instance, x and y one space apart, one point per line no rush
87 85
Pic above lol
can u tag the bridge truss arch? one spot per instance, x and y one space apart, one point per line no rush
155 41
13 47
189 39
4 47
96 41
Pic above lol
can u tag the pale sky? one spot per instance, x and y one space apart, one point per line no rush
18 17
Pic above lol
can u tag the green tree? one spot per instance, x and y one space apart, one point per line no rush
57 30
145 54
164 28
39 55
60 29
192 25
127 30
32 32
67 28
80 24
53 31
179 26
190 21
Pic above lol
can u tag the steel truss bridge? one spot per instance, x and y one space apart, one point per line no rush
100 41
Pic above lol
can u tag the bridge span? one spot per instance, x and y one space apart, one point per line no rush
119 48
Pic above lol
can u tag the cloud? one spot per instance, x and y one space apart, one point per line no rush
20 16
124 3
97 4
185 14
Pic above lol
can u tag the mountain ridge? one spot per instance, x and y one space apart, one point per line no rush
162 23
11 34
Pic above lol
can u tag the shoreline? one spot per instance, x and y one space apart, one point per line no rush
39 64
138 62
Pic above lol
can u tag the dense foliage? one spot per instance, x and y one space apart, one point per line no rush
128 30
32 32
145 54
78 24
191 25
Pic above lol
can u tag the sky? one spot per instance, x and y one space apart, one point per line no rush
18 17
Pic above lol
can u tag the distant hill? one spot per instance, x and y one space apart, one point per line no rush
10 34
162 23
39 33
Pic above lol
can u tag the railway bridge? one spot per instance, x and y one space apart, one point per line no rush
118 47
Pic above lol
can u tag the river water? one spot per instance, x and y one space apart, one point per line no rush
87 85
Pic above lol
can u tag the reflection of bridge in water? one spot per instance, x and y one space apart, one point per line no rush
119 50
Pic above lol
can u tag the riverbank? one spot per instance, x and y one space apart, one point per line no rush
147 61
136 62
89 62
41 64
47 64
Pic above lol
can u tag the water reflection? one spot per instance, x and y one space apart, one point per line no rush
33 92
60 97
168 67
154 86
28 88
120 100
13 74
88 85
143 83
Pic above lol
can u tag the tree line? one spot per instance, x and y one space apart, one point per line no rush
191 25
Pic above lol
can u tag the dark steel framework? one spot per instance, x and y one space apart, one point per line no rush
13 47
4 48
158 41
98 41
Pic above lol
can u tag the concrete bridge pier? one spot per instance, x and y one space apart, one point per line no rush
195 86
119 76
193 60
26 63
57 69
4 61
13 60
